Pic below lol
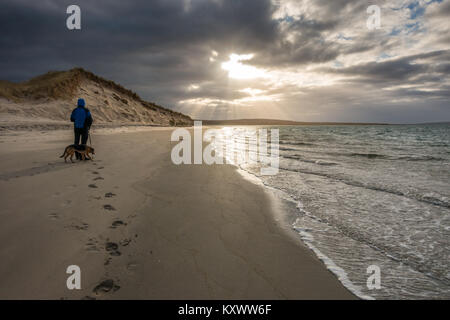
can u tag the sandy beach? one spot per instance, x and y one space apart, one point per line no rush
140 227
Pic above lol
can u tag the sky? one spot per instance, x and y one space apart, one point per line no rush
311 60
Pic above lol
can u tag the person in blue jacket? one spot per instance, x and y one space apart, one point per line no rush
82 119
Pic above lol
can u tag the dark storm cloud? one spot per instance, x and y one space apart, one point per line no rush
303 40
305 46
114 29
414 69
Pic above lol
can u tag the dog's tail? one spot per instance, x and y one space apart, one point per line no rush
65 150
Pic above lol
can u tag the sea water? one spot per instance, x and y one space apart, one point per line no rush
370 196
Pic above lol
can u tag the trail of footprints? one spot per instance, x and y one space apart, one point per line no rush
111 249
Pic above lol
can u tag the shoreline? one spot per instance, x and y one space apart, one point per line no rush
286 209
183 232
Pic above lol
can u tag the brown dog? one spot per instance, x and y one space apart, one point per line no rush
83 150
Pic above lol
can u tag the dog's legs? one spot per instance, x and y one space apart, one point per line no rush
65 157
71 157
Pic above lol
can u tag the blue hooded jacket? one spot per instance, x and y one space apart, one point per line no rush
81 116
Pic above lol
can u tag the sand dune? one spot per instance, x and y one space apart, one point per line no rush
48 100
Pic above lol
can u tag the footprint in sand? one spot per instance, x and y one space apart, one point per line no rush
112 248
92 186
77 226
99 168
95 172
53 216
117 223
92 245
98 178
106 286
109 195
109 207
125 242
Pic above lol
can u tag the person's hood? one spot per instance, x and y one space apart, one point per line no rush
81 103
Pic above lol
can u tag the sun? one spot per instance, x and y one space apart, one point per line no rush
237 70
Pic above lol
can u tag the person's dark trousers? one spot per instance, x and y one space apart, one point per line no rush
83 134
